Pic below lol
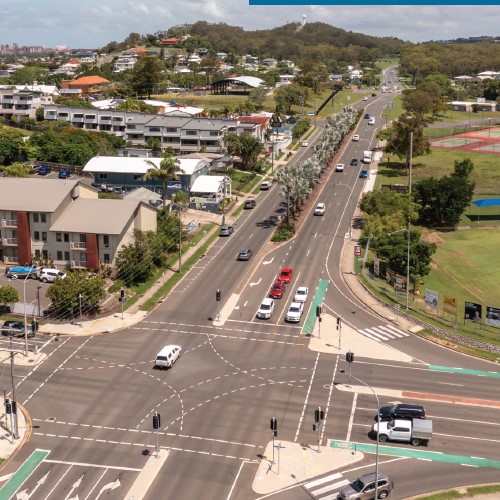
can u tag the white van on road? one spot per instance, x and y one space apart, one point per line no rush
168 356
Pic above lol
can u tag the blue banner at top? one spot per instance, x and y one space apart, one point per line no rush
374 2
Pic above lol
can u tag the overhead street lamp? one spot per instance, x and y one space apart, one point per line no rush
350 203
378 429
407 263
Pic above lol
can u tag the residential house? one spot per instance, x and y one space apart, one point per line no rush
86 57
89 85
20 103
123 63
169 42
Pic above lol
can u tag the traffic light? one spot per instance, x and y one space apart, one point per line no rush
338 322
14 407
34 325
349 356
318 311
122 294
8 407
274 426
319 414
156 421
218 295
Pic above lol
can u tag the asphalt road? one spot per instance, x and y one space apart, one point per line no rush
92 399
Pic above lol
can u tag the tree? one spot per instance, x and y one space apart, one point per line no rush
133 262
65 293
289 95
146 75
8 295
12 145
246 146
167 170
257 96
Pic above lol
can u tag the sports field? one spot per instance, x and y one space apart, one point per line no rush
481 141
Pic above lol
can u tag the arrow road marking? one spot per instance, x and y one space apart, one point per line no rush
109 486
253 284
75 485
267 261
23 495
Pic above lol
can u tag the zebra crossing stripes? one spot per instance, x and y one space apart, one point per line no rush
319 487
384 332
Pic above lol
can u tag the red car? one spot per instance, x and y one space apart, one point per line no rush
277 290
286 275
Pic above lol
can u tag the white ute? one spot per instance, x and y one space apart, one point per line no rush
417 431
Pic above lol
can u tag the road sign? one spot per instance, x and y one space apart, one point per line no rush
310 113
357 250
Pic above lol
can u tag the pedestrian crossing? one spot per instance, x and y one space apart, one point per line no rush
383 333
326 488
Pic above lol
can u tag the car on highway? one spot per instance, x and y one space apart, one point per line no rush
374 94
363 174
249 204
277 290
401 411
44 170
367 116
266 309
264 186
168 356
286 275
355 137
301 294
64 173
226 231
294 312
339 167
354 162
371 121
363 488
244 254
365 98
320 209
305 144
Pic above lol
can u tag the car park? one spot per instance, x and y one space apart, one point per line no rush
363 488
294 312
286 275
226 231
168 356
355 137
266 309
339 167
50 275
305 144
402 411
320 209
277 290
354 162
363 174
244 254
265 185
301 294
64 173
44 170
250 204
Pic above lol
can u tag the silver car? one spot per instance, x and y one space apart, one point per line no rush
364 488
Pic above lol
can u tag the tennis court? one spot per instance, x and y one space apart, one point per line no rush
479 141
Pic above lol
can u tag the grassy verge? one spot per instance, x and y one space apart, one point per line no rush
468 493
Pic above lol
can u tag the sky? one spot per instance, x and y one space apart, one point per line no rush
94 23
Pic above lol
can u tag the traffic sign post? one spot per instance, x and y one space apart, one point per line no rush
357 253
156 426
319 416
339 328
218 297
349 357
274 429
319 310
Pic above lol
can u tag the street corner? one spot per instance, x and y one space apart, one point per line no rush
293 463
32 359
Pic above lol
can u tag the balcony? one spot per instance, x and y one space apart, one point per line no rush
9 242
79 245
9 223
78 264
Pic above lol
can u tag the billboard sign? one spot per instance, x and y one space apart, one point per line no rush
493 316
473 312
431 298
450 305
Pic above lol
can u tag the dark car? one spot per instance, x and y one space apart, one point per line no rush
244 254
226 231
354 162
402 411
363 174
64 173
44 170
367 116
14 329
277 290
250 204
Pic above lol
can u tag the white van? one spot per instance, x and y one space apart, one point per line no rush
168 356
49 275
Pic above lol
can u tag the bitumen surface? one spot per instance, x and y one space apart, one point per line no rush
283 464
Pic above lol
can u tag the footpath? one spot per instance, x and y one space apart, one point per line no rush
283 464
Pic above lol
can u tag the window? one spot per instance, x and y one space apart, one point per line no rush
103 176
66 255
37 254
106 240
214 134
43 217
191 132
83 238
59 255
59 237
66 238
171 129
35 217
137 177
44 236
154 129
106 258
45 254
36 236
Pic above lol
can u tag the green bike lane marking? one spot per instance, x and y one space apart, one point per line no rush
18 478
433 456
317 301
464 371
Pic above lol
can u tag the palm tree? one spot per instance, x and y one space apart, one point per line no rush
167 170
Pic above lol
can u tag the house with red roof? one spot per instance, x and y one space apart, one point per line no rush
89 85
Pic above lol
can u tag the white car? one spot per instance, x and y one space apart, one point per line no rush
266 309
355 137
266 185
305 144
294 312
339 167
365 98
320 209
301 294
371 121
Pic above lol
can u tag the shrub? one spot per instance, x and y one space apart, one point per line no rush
283 232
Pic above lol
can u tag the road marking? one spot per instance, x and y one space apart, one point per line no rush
351 418
317 300
323 480
464 371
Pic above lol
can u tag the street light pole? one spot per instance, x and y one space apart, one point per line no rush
25 317
378 428
407 263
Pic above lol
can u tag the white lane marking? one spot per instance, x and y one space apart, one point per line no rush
330 487
351 418
323 480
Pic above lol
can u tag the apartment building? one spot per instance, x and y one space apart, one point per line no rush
20 103
66 222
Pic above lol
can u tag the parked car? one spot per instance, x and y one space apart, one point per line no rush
320 209
401 410
295 312
305 144
266 185
266 309
339 167
363 488
250 204
354 162
286 275
12 328
363 174
64 173
301 294
226 231
44 170
49 275
244 254
355 137
277 290
21 272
